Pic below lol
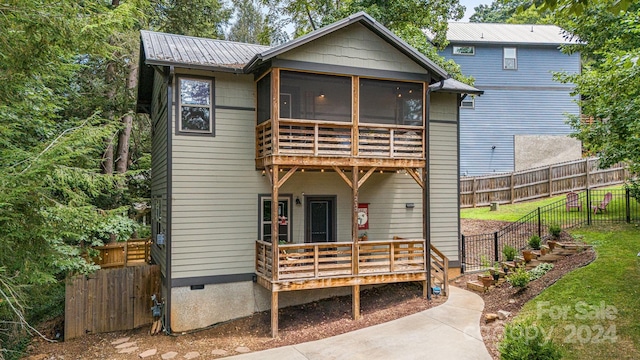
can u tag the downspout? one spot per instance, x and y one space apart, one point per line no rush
427 187
169 74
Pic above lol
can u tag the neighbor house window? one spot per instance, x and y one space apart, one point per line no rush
510 58
468 102
464 50
195 106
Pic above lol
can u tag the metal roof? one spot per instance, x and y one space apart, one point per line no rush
455 86
460 32
169 49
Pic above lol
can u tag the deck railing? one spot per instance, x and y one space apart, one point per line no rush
335 259
327 138
128 253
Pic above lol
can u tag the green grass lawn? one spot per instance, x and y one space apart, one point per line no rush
594 312
513 212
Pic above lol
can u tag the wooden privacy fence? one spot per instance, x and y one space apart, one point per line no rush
110 300
537 183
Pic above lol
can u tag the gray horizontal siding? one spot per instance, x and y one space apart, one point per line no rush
159 160
501 114
443 170
215 187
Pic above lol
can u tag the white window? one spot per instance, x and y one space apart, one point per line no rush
468 102
284 219
510 58
464 50
195 106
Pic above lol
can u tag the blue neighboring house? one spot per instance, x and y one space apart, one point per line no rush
516 123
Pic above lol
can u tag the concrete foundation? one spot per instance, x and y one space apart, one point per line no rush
196 309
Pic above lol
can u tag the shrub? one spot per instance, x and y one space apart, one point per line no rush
539 270
509 252
534 242
520 278
555 230
525 340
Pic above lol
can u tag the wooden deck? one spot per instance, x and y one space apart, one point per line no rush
300 142
322 265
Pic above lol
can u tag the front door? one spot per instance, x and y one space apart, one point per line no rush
320 222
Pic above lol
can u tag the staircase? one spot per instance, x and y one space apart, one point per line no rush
439 270
560 250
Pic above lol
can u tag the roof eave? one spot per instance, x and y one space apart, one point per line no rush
234 70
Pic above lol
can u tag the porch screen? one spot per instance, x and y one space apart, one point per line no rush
315 97
390 102
264 98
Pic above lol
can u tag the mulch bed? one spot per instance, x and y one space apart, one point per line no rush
505 297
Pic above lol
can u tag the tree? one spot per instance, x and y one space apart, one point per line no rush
250 25
609 85
499 11
204 18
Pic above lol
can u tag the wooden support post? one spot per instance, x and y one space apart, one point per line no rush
426 230
473 192
355 116
274 245
275 111
355 258
355 298
274 314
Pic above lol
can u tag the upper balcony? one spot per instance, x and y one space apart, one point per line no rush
321 120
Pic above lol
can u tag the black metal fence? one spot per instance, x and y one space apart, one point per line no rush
480 251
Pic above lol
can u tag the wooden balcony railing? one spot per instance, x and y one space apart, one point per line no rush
325 138
128 253
335 259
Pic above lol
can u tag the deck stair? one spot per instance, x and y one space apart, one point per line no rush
560 251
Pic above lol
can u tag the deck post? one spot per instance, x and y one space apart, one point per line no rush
274 314
355 258
274 246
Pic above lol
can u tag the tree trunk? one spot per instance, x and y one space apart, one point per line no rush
122 161
107 158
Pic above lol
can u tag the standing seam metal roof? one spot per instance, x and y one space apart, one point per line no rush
459 32
170 49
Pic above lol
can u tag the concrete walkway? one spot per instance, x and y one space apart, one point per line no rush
448 331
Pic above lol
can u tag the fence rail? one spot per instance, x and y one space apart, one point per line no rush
480 251
538 183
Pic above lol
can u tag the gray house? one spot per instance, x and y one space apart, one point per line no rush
520 121
354 133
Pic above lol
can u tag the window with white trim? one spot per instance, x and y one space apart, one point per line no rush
195 106
510 61
284 219
469 102
464 50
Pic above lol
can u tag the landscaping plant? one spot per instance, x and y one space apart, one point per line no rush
534 242
555 230
509 252
526 340
519 279
539 270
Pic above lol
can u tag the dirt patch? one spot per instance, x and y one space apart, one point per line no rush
298 324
